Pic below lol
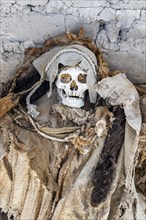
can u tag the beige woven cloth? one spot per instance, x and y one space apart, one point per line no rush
43 179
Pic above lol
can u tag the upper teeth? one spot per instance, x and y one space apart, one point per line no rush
72 94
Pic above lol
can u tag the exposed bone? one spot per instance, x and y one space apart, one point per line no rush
71 85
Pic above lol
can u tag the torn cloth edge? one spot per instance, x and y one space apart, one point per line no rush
118 90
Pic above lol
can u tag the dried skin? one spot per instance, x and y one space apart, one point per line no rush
105 170
76 115
7 103
140 176
84 142
140 170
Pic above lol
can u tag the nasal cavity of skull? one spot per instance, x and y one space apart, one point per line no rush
73 86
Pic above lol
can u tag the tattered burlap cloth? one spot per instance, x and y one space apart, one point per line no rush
48 179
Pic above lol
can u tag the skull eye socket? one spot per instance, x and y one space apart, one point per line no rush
82 78
65 78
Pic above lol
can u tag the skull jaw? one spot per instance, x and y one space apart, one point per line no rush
73 102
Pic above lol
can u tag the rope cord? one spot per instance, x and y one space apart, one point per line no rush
66 139
72 51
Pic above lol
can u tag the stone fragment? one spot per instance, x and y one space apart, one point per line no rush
87 15
125 18
108 14
35 27
10 45
89 4
55 6
132 64
143 15
32 2
127 4
112 32
73 25
139 30
102 40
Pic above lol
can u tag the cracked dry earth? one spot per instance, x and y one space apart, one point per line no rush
117 27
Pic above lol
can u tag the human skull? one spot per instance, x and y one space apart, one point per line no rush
71 86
